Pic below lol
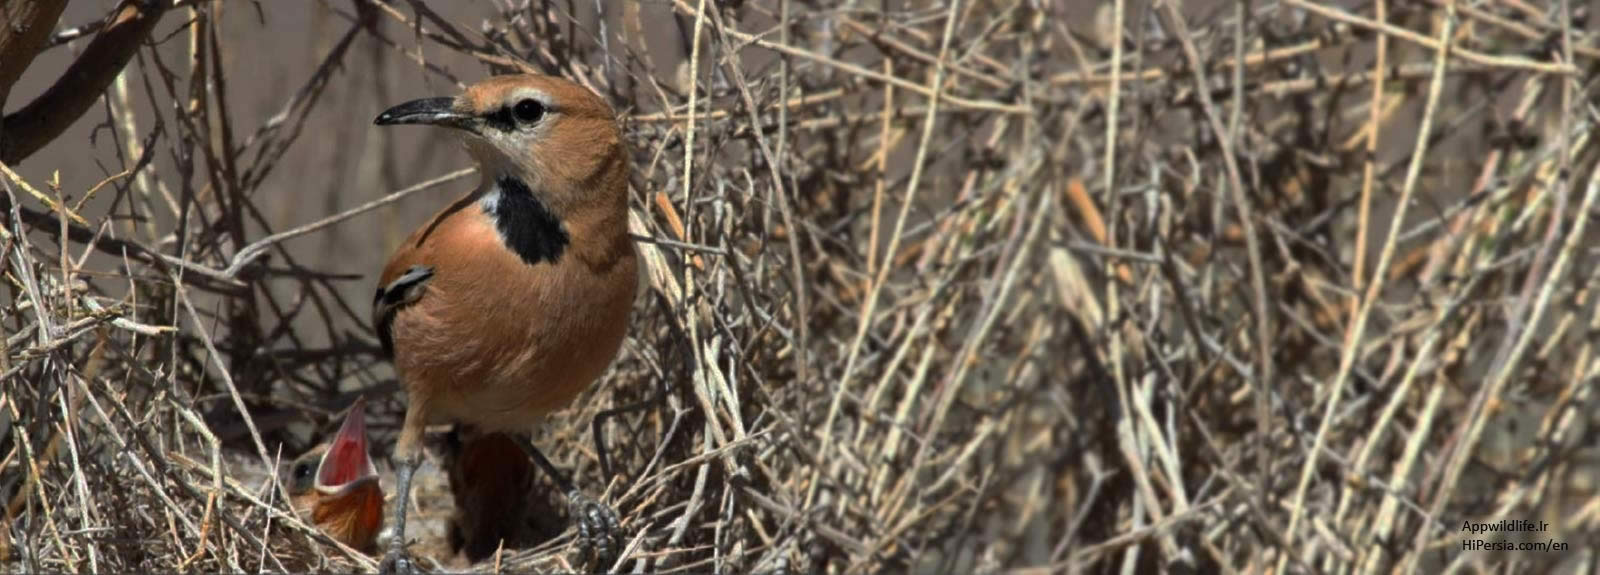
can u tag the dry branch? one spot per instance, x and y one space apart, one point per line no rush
46 117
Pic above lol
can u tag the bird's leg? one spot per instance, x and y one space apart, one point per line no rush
408 456
598 527
395 561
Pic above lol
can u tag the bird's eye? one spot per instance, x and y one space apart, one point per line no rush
528 111
300 477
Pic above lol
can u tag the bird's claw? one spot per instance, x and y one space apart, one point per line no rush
395 562
599 532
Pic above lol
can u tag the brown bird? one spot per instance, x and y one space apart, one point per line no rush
511 300
337 485
491 482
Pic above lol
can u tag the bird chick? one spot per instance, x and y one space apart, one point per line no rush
513 299
337 485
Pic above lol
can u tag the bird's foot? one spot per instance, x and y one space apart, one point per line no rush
599 532
395 562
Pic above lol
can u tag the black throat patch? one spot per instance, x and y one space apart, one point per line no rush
526 225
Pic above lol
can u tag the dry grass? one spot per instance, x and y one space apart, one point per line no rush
917 302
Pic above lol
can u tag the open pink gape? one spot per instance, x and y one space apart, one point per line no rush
346 459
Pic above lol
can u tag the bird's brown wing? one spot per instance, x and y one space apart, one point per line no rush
392 296
407 274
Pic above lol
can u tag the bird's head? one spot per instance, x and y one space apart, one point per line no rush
337 484
557 137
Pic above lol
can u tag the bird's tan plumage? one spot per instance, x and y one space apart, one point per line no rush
510 301
498 342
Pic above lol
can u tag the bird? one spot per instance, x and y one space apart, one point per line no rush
490 482
336 484
515 297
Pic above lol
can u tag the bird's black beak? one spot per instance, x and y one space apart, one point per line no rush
435 111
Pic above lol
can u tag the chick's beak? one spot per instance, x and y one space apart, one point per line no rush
346 459
435 111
